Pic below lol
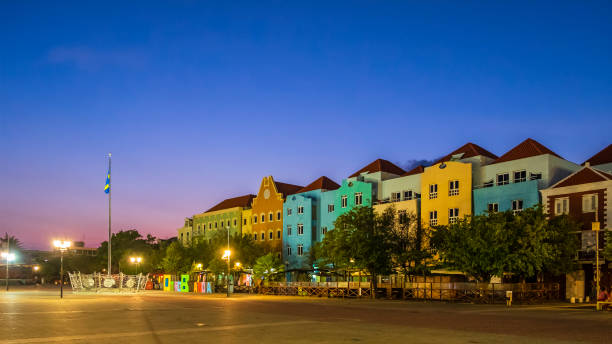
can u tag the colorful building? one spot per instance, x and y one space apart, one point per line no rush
375 173
584 196
512 181
302 214
267 213
602 160
225 216
185 233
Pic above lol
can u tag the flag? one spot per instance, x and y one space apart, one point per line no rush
107 186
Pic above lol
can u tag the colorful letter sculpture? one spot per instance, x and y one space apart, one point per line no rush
167 283
184 287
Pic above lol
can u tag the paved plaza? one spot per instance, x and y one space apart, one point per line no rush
39 316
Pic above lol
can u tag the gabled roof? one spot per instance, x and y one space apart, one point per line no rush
468 150
287 189
603 157
526 149
323 183
586 175
380 165
241 201
416 170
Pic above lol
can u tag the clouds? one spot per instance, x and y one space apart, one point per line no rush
86 58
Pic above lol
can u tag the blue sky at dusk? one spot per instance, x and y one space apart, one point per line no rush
198 101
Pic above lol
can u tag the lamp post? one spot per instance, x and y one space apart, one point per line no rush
9 257
226 255
136 260
62 246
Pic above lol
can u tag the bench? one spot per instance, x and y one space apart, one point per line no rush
601 303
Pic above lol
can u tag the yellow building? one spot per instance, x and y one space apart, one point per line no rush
247 222
408 207
225 216
446 193
267 213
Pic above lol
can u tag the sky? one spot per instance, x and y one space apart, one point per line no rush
197 100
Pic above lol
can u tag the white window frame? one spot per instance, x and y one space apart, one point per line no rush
330 208
505 181
358 198
407 195
495 207
562 206
588 206
300 209
396 196
288 230
300 250
515 206
289 211
453 188
433 218
300 229
453 215
433 191
288 250
324 230
521 178
344 201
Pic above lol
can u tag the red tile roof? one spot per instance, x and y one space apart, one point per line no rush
603 157
241 201
469 150
380 165
526 149
287 189
584 176
323 183
416 170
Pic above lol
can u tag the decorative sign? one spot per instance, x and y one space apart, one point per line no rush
266 193
595 226
89 283
131 283
168 283
184 283
109 282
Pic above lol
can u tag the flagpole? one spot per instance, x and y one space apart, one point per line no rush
109 214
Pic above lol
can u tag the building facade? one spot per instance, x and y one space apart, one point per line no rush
267 213
225 216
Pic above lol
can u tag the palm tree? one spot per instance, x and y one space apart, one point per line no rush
14 243
268 267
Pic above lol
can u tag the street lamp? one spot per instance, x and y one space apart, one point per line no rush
226 255
136 260
62 246
9 257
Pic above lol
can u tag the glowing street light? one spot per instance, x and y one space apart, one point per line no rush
226 255
136 260
62 245
9 257
199 266
237 265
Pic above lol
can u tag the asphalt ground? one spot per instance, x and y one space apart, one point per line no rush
39 316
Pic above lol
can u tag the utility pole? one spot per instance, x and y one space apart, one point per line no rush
228 261
109 214
8 252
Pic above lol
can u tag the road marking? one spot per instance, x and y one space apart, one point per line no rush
89 337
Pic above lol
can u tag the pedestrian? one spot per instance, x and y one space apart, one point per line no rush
603 296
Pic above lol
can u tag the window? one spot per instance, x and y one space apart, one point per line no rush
288 229
300 229
271 217
488 184
330 208
358 198
433 191
503 179
255 236
270 235
324 230
278 234
535 176
289 211
453 215
209 227
255 219
520 176
215 225
589 203
221 224
493 207
561 206
263 218
407 195
288 250
517 206
433 218
300 210
395 197
263 236
453 188
344 201
244 222
402 218
235 222
278 216
300 250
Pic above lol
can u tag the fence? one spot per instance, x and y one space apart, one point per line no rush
97 282
452 292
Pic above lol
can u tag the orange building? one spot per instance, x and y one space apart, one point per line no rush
267 213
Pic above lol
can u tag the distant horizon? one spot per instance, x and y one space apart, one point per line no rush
198 101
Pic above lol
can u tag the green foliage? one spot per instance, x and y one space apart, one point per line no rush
268 267
409 243
608 245
125 244
525 244
361 239
176 260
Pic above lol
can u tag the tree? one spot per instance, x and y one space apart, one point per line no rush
13 244
360 238
608 245
525 244
268 267
123 244
409 250
175 261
